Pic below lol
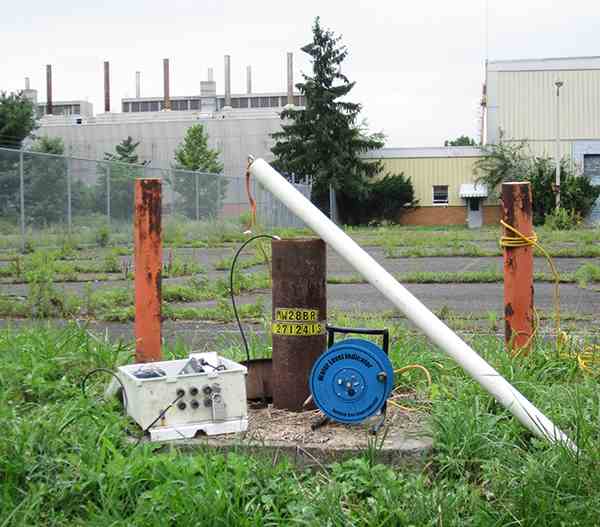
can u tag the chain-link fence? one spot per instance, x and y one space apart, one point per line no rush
48 197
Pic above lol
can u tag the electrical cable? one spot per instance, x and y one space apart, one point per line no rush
231 290
588 356
160 416
115 376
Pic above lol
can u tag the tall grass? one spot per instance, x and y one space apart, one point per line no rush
65 458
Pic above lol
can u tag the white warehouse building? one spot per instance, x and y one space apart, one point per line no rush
236 124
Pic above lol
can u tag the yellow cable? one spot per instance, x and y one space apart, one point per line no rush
413 367
591 353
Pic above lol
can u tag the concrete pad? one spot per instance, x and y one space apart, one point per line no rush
402 442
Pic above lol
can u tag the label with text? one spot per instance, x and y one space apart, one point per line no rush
296 314
298 329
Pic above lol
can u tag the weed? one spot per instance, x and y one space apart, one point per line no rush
103 236
587 273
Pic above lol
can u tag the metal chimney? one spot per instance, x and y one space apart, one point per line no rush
248 80
27 83
290 78
210 75
167 99
138 81
227 81
106 87
48 89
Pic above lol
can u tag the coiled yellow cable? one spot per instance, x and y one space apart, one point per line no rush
590 354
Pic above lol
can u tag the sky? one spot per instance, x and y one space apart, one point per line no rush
418 66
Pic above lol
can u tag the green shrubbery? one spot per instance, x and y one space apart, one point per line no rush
512 162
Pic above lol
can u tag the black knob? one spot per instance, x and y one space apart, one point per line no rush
181 405
194 404
180 392
207 390
193 391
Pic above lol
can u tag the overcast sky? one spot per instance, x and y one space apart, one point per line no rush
418 65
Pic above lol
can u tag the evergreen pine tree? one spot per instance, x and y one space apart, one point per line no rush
122 177
324 141
198 164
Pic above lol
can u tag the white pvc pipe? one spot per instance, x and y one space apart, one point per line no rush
440 334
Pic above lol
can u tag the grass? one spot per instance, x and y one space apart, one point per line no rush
65 458
46 300
585 274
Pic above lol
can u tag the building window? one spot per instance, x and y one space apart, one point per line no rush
440 194
194 104
243 102
254 102
154 106
135 106
274 102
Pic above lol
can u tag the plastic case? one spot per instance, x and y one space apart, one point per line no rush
214 402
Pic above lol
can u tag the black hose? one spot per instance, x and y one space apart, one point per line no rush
231 270
114 375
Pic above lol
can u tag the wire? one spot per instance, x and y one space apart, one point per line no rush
115 376
160 416
231 290
589 354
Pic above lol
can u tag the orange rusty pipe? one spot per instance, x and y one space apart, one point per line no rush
148 269
518 266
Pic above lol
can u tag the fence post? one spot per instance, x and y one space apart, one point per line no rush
22 199
197 185
518 266
108 172
173 181
220 203
148 269
332 205
69 194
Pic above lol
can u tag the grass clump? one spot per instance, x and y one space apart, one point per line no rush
65 458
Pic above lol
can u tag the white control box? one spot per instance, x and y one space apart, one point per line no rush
209 393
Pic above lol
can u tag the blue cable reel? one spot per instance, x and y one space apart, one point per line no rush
352 380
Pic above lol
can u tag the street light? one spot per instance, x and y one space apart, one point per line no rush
558 85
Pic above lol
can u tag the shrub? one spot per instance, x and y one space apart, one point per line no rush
103 236
510 162
563 220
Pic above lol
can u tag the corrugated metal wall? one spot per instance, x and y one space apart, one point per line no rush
527 105
428 171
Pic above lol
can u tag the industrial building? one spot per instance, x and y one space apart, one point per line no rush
535 101
522 102
552 104
237 124
443 179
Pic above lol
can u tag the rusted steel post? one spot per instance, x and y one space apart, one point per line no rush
148 268
518 266
299 317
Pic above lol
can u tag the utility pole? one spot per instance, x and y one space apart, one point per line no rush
558 85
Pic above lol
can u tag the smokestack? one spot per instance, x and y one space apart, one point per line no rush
167 99
210 75
106 87
227 81
27 83
49 89
290 78
248 80
138 81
